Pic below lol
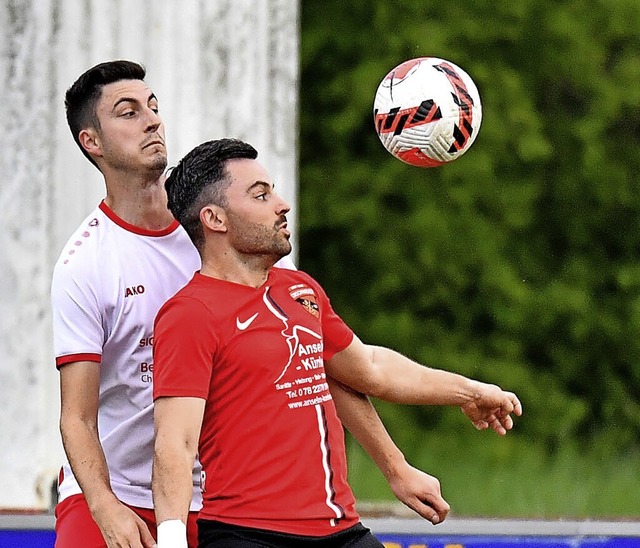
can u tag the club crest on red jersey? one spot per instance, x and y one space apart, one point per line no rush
306 297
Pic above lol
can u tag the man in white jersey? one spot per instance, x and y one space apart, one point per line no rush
113 274
126 258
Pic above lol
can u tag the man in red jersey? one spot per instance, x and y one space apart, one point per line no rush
243 355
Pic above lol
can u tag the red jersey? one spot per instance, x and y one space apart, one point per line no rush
271 445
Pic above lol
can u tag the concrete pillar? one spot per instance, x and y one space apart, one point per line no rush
219 68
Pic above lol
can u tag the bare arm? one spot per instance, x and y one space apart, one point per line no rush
79 393
386 374
419 491
177 426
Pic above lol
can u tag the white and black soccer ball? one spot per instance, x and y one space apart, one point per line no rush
427 111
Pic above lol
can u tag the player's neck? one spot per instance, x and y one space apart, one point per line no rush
252 270
141 203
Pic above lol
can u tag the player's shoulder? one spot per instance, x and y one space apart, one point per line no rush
191 293
79 254
186 303
184 295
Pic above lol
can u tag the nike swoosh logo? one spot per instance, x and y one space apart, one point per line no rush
243 325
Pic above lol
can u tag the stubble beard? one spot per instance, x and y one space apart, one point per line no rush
159 164
150 169
254 239
153 169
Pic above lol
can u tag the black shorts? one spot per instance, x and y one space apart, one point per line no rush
215 534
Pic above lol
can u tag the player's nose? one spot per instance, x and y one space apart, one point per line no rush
282 206
153 120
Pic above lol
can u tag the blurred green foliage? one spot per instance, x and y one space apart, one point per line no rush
519 263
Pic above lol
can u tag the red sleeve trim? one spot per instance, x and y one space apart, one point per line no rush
70 358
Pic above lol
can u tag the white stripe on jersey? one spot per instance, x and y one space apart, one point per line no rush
325 464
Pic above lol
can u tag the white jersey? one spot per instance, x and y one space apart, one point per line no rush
108 284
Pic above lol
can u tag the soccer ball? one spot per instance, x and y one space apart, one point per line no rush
427 112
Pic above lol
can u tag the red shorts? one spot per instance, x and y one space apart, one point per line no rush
75 526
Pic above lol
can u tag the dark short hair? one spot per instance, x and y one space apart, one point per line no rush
82 97
200 178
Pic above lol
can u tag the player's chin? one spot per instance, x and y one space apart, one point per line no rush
284 247
159 161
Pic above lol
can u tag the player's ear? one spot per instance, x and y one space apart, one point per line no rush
90 141
213 218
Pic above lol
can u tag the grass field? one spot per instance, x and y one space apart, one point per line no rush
504 477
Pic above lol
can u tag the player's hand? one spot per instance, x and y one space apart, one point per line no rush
121 527
492 407
420 492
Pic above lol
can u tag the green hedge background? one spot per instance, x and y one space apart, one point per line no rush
519 263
